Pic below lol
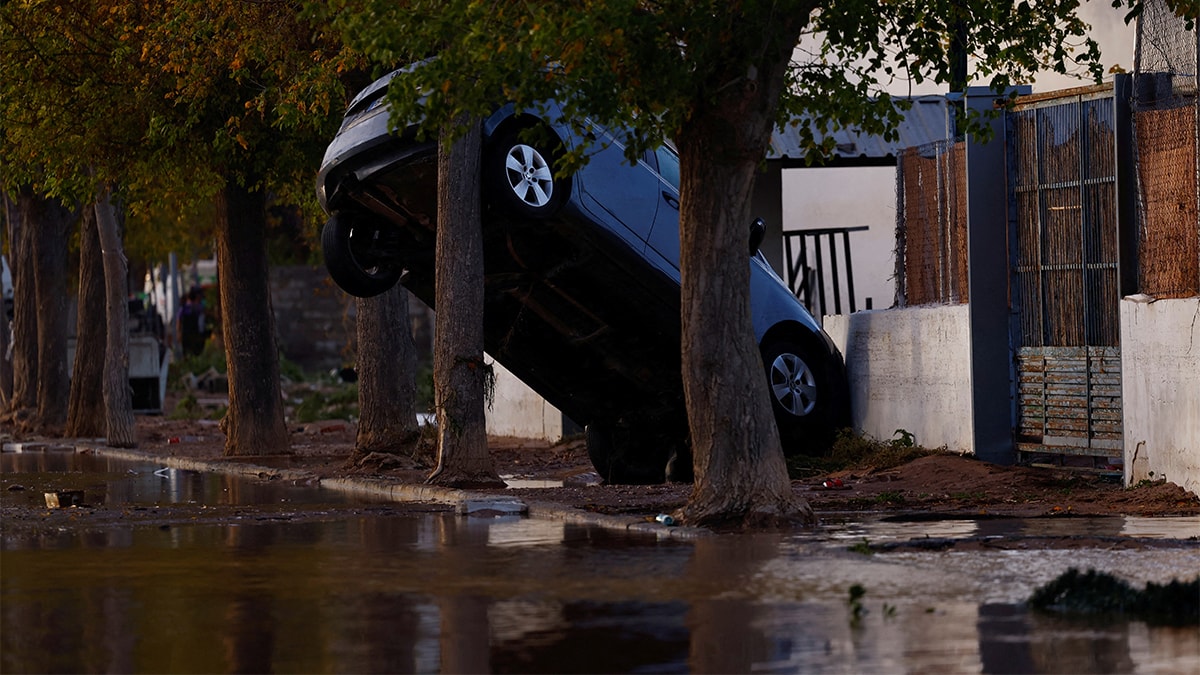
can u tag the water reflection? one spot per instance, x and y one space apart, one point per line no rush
381 591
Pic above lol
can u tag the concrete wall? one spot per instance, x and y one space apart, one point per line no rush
314 320
1160 387
519 412
909 369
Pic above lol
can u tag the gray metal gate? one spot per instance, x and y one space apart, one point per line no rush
1065 249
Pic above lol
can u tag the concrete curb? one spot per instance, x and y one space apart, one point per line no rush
465 502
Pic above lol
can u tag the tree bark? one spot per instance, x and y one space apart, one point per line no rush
254 423
16 244
740 474
461 379
39 267
118 398
54 384
85 409
22 405
387 382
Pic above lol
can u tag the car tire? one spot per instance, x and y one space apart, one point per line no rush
356 255
805 396
521 175
620 459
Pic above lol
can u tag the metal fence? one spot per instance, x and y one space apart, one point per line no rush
820 269
931 225
1065 247
1167 132
1065 256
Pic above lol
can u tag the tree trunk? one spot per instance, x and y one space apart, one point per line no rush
22 407
40 378
387 382
12 218
254 424
118 403
740 473
85 409
461 380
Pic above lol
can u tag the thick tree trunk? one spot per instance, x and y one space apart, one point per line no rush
254 423
387 382
740 473
118 404
22 403
40 379
461 379
85 410
54 383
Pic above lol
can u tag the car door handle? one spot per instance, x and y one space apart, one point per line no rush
671 199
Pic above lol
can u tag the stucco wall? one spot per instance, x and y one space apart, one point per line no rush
909 369
1160 387
519 412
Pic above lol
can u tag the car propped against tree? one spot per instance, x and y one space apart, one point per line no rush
581 276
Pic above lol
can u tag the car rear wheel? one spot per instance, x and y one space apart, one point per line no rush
521 175
621 459
804 395
357 255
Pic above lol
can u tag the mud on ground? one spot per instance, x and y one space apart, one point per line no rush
938 484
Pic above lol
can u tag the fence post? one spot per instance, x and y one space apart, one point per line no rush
992 393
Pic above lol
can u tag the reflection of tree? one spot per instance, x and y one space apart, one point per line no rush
465 634
383 627
249 635
724 634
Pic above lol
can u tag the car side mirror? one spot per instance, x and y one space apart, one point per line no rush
758 232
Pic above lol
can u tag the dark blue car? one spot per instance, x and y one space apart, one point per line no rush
581 278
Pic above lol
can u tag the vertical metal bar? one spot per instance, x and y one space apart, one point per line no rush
900 298
804 268
820 272
1040 230
833 273
790 264
1085 151
849 270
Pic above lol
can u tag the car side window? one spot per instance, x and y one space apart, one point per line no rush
668 165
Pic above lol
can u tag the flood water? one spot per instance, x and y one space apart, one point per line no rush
372 588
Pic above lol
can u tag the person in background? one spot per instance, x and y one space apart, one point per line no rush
191 330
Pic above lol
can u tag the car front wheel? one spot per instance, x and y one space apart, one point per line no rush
804 395
521 176
358 255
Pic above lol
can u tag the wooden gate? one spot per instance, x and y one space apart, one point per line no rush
1065 252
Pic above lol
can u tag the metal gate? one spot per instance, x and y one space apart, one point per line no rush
1065 251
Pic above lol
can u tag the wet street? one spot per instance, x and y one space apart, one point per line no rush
216 574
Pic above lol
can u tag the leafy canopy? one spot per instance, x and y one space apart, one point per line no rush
167 99
651 66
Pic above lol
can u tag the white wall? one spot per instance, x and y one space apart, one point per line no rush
517 411
1160 387
909 369
850 197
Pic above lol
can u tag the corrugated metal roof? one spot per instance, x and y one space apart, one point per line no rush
926 121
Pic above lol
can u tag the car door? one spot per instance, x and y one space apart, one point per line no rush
617 192
664 235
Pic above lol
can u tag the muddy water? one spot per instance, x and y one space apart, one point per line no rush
374 589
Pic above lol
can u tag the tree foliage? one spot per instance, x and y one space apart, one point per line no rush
166 99
651 66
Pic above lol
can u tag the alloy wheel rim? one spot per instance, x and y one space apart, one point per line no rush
529 175
793 384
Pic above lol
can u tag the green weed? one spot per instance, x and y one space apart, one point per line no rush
856 451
